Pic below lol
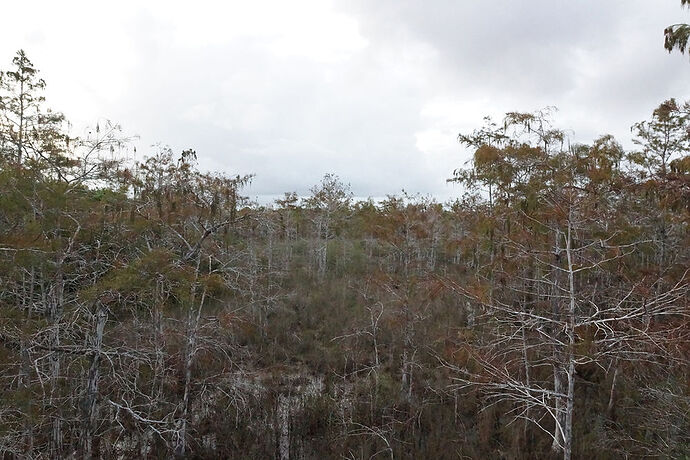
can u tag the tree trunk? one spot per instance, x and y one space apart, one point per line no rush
568 431
90 406
54 313
190 352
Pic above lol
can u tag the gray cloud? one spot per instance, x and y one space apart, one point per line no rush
373 91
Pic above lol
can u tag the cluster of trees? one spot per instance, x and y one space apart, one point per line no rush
580 283
148 310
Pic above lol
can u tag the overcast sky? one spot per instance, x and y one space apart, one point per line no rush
375 91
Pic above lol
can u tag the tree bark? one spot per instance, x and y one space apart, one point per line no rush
90 403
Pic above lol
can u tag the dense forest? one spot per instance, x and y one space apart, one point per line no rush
149 310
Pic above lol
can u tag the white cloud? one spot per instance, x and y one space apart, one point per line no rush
374 91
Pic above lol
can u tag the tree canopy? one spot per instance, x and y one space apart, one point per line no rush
148 309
